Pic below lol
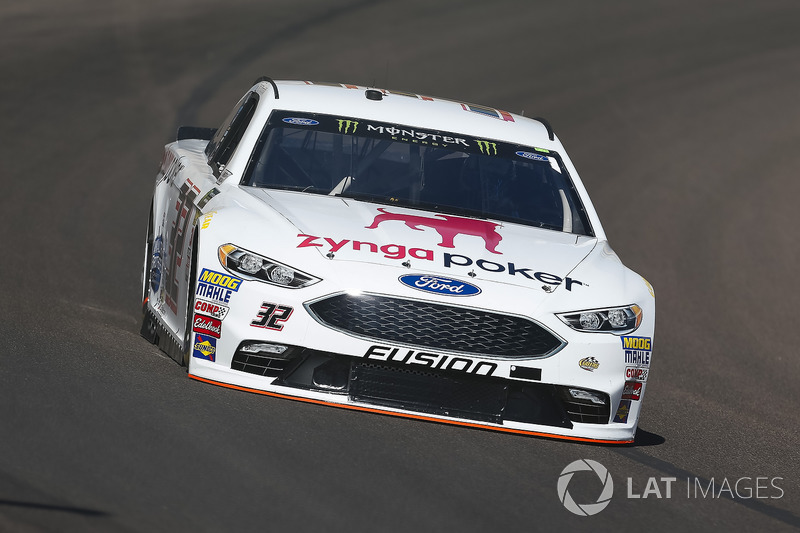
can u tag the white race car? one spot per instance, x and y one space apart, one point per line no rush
395 253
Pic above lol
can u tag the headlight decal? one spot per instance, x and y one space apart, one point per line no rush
617 320
252 266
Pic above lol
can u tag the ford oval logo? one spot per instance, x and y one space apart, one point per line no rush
531 155
437 285
301 121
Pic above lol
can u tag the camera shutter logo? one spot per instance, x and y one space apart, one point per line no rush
586 509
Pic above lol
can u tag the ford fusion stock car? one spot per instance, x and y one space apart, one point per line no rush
395 253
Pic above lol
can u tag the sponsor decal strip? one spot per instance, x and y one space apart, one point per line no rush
399 251
408 415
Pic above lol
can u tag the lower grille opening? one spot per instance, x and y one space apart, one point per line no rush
270 364
585 411
428 392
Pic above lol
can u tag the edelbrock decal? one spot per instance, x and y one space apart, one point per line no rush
436 285
295 121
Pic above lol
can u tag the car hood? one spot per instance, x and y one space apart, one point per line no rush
424 241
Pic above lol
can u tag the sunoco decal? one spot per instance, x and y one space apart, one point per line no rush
205 347
443 286
294 121
623 411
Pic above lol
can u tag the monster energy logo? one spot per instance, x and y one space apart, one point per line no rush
487 147
344 125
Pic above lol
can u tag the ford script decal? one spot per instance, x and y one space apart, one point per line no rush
301 121
531 155
445 286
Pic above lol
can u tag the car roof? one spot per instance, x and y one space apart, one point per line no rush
408 109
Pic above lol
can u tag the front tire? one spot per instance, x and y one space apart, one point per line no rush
188 335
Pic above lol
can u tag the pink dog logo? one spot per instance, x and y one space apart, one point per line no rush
448 227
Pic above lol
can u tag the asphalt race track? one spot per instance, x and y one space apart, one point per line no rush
684 122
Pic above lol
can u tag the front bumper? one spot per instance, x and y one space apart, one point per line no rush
326 365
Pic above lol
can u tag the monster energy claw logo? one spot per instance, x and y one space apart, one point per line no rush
487 147
344 125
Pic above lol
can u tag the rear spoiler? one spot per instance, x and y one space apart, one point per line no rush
193 132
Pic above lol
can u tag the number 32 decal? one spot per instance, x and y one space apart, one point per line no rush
270 316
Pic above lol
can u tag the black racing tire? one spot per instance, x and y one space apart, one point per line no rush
148 329
187 336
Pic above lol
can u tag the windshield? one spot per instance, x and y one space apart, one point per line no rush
414 167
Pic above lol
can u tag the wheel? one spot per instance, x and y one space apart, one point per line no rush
188 335
148 330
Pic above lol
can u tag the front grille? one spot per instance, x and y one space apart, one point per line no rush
428 392
258 364
437 326
585 411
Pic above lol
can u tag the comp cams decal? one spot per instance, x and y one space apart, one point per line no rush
589 363
430 360
636 373
210 308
